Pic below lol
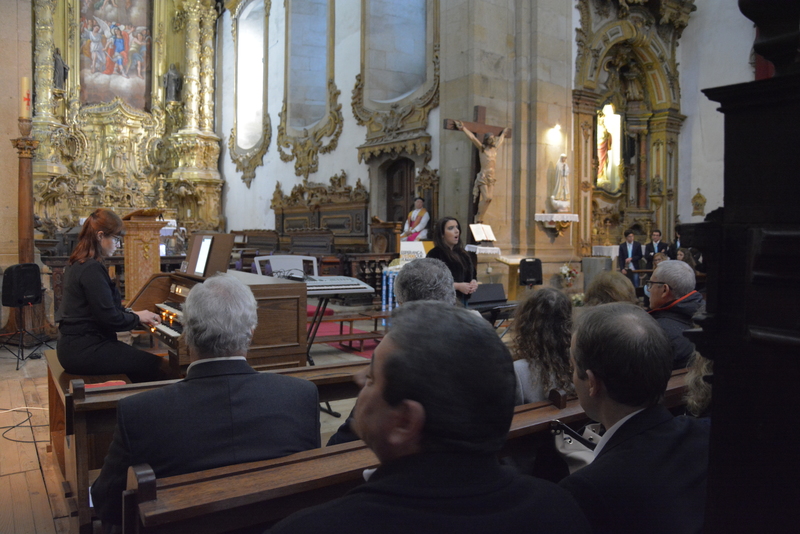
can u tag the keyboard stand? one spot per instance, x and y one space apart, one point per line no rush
322 305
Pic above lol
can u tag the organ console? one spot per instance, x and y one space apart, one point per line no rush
279 339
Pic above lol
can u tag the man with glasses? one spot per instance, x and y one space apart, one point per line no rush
673 303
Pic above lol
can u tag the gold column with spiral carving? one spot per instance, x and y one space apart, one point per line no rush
195 183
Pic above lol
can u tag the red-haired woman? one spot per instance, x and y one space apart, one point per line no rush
91 311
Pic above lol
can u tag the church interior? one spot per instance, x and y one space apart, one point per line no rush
318 123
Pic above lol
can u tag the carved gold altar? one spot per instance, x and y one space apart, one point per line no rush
626 58
112 153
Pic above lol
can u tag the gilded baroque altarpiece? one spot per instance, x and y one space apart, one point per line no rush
108 136
626 73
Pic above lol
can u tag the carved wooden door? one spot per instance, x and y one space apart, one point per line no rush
399 189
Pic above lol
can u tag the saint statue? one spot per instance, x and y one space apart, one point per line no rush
604 143
173 82
560 197
416 227
485 180
60 71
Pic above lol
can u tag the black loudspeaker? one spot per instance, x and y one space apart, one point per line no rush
530 272
22 285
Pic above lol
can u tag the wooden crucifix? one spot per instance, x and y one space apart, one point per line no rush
484 156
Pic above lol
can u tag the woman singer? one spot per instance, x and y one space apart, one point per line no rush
448 248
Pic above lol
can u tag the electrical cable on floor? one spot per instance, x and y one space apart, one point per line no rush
23 409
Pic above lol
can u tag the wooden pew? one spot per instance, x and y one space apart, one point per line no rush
90 416
262 493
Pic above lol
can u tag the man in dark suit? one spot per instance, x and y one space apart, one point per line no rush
649 470
630 253
655 246
223 413
435 409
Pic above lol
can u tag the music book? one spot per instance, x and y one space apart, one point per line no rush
482 232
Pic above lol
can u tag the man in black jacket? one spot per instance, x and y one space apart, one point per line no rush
654 247
223 413
435 408
673 303
649 469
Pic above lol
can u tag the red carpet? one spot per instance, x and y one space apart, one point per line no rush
332 329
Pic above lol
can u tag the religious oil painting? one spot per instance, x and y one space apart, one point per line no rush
115 51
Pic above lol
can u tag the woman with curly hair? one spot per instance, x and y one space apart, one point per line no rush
542 330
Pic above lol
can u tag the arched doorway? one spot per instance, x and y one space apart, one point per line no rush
399 189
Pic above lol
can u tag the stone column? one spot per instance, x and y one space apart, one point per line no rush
142 259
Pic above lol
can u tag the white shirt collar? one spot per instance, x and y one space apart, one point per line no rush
610 432
204 360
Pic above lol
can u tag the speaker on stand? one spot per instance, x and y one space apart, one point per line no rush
22 286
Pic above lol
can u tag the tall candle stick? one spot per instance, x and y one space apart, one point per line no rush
25 98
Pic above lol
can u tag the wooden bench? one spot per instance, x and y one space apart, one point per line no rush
90 417
262 493
59 402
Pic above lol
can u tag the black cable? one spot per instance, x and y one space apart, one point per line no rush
10 428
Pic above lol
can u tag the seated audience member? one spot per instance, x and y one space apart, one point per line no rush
542 329
424 279
223 413
684 255
698 385
649 471
657 258
435 409
421 279
610 286
673 303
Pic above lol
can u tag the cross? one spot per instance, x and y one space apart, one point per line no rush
27 99
480 129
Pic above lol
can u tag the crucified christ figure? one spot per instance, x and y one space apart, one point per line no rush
484 181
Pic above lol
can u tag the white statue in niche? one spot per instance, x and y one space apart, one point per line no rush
560 197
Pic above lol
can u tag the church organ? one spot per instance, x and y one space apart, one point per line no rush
279 339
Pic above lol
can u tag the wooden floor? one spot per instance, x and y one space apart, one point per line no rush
31 498
31 486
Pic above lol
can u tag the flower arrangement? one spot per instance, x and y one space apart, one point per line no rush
568 273
578 299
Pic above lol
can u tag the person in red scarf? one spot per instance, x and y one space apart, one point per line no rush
673 303
416 227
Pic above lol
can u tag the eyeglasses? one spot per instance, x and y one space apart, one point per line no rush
650 283
117 240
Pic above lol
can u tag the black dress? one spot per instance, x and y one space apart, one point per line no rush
89 318
459 271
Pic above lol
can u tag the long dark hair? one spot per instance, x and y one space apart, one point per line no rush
457 254
542 331
88 246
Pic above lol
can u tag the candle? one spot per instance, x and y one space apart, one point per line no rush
25 98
